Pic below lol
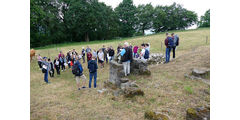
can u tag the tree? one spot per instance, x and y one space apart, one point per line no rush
126 15
173 17
205 20
144 17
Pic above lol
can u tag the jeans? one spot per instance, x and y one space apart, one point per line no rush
46 77
111 58
168 50
63 66
174 48
126 67
134 55
95 79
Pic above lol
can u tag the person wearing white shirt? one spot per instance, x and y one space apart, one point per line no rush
101 57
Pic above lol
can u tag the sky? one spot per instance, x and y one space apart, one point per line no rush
198 6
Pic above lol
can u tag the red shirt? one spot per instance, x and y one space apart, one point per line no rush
89 56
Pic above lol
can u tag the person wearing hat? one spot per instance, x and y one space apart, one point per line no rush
45 66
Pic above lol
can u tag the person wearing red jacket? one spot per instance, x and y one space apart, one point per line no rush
89 56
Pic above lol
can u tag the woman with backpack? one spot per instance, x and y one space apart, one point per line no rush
77 70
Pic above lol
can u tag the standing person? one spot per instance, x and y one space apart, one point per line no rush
168 44
45 69
61 59
135 50
51 66
60 54
57 65
69 59
142 53
88 49
78 72
39 58
92 66
126 58
94 54
111 53
101 58
175 43
147 45
74 52
105 53
89 56
83 54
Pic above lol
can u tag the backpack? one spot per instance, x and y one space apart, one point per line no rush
146 55
175 40
170 42
91 67
76 70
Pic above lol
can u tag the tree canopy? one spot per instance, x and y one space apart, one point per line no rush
59 21
205 20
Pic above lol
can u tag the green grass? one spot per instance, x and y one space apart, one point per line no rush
188 89
62 100
106 41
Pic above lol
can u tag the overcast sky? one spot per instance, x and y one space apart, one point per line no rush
198 6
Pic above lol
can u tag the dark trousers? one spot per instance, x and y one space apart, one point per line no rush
83 57
91 75
174 48
40 64
69 66
58 70
51 73
63 66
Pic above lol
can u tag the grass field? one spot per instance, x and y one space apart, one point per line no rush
166 90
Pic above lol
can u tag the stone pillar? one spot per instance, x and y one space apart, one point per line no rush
115 73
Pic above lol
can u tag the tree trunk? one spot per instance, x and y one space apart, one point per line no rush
86 37
143 32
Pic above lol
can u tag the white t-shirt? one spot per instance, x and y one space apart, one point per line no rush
142 53
80 56
101 56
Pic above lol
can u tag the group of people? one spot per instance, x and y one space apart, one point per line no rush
171 42
72 59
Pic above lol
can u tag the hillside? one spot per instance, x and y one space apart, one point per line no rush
166 90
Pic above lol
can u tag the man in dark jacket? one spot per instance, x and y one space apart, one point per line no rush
92 66
168 44
111 53
126 58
